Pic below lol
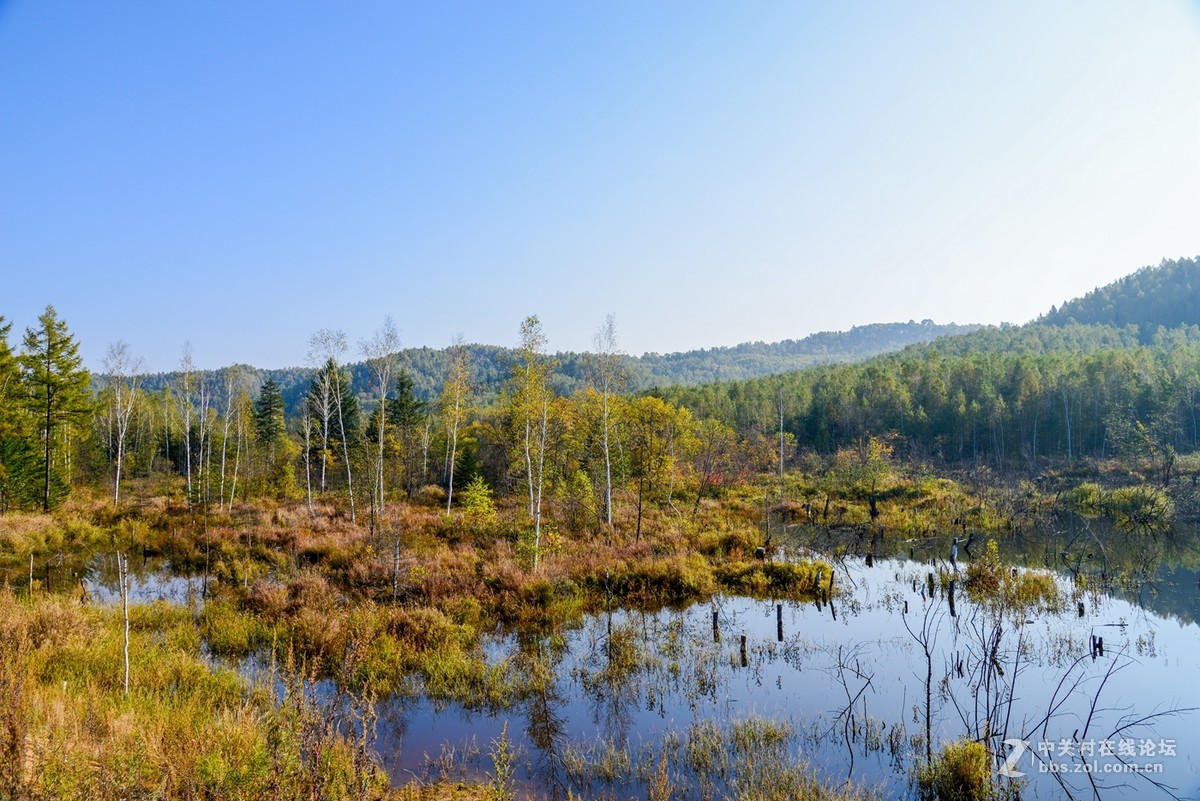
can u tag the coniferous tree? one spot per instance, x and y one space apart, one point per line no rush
10 377
407 414
268 417
17 455
56 391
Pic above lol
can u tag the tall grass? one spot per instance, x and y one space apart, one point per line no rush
187 729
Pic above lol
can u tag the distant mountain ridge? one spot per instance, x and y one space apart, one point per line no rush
491 364
754 359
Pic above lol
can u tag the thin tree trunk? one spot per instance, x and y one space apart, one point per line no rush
1067 415
307 424
453 454
607 468
395 569
167 429
187 450
49 424
224 451
537 516
529 463
781 441
237 458
117 486
123 580
345 451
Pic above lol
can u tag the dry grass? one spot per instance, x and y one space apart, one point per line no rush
186 730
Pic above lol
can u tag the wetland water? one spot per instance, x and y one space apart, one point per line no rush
845 682
849 678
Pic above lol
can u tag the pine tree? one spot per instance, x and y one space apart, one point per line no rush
56 390
268 417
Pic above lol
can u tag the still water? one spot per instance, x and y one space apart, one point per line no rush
857 681
850 678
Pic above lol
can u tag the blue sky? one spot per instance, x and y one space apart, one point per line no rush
241 174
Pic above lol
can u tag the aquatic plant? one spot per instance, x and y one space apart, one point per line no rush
992 582
775 579
961 771
1141 508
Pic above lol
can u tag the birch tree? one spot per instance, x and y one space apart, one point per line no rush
320 405
122 371
453 404
306 428
203 436
329 347
243 410
234 384
653 427
531 405
123 581
608 377
185 398
380 354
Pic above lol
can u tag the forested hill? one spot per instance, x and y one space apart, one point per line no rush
491 365
1040 337
1123 379
1167 295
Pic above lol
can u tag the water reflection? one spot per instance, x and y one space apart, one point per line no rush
150 579
870 679
867 692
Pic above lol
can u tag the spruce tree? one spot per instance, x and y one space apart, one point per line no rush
18 469
10 382
56 390
407 414
406 409
268 417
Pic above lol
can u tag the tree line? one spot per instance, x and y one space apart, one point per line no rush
522 425
427 366
1005 407
220 437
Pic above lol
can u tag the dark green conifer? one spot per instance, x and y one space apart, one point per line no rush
56 390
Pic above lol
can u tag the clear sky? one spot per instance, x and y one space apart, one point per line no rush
239 174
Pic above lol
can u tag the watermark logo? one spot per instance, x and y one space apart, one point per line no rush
1124 755
1009 768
